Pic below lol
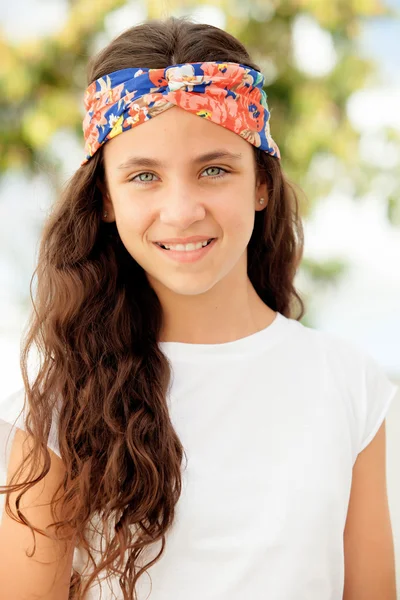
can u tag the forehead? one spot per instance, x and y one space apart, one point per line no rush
175 134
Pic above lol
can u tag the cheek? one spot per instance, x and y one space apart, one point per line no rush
132 219
132 226
238 220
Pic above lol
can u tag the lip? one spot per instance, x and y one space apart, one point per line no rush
194 238
189 256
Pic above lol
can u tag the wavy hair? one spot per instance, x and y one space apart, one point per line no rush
96 323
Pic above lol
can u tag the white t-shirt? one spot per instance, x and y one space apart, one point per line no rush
271 425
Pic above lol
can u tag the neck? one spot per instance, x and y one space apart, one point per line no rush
225 313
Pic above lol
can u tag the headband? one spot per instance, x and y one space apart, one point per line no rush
228 94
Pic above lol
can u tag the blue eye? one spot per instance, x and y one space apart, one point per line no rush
140 182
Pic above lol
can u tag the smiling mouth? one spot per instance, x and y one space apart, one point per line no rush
161 246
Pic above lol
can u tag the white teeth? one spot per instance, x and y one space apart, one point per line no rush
184 247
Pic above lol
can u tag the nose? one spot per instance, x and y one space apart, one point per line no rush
181 207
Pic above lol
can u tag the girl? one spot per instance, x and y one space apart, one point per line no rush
185 436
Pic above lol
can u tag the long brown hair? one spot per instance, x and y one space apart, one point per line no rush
96 322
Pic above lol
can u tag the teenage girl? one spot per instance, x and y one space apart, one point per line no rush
185 437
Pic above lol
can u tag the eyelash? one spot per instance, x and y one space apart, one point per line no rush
132 179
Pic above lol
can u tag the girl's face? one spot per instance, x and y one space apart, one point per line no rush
159 188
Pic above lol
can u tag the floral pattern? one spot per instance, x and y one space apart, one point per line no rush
228 94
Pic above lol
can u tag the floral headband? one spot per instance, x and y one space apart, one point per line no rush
226 93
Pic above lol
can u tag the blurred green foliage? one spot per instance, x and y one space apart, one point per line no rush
42 83
43 80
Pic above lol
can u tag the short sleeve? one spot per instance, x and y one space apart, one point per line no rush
12 414
379 393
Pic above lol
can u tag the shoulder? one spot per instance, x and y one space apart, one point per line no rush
11 407
341 355
338 354
359 380
13 412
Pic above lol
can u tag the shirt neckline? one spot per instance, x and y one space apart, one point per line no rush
253 343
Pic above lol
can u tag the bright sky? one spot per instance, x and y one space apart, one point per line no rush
365 308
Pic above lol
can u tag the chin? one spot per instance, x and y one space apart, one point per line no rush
188 286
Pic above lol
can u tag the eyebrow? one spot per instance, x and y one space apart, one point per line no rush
143 161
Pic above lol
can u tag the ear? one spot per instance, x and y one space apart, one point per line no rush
261 188
261 192
107 204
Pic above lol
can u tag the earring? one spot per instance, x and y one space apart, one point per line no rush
261 200
105 214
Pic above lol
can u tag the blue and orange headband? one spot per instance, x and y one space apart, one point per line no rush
228 94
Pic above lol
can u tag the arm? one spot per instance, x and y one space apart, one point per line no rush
368 538
21 577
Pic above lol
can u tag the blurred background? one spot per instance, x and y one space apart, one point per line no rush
332 73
